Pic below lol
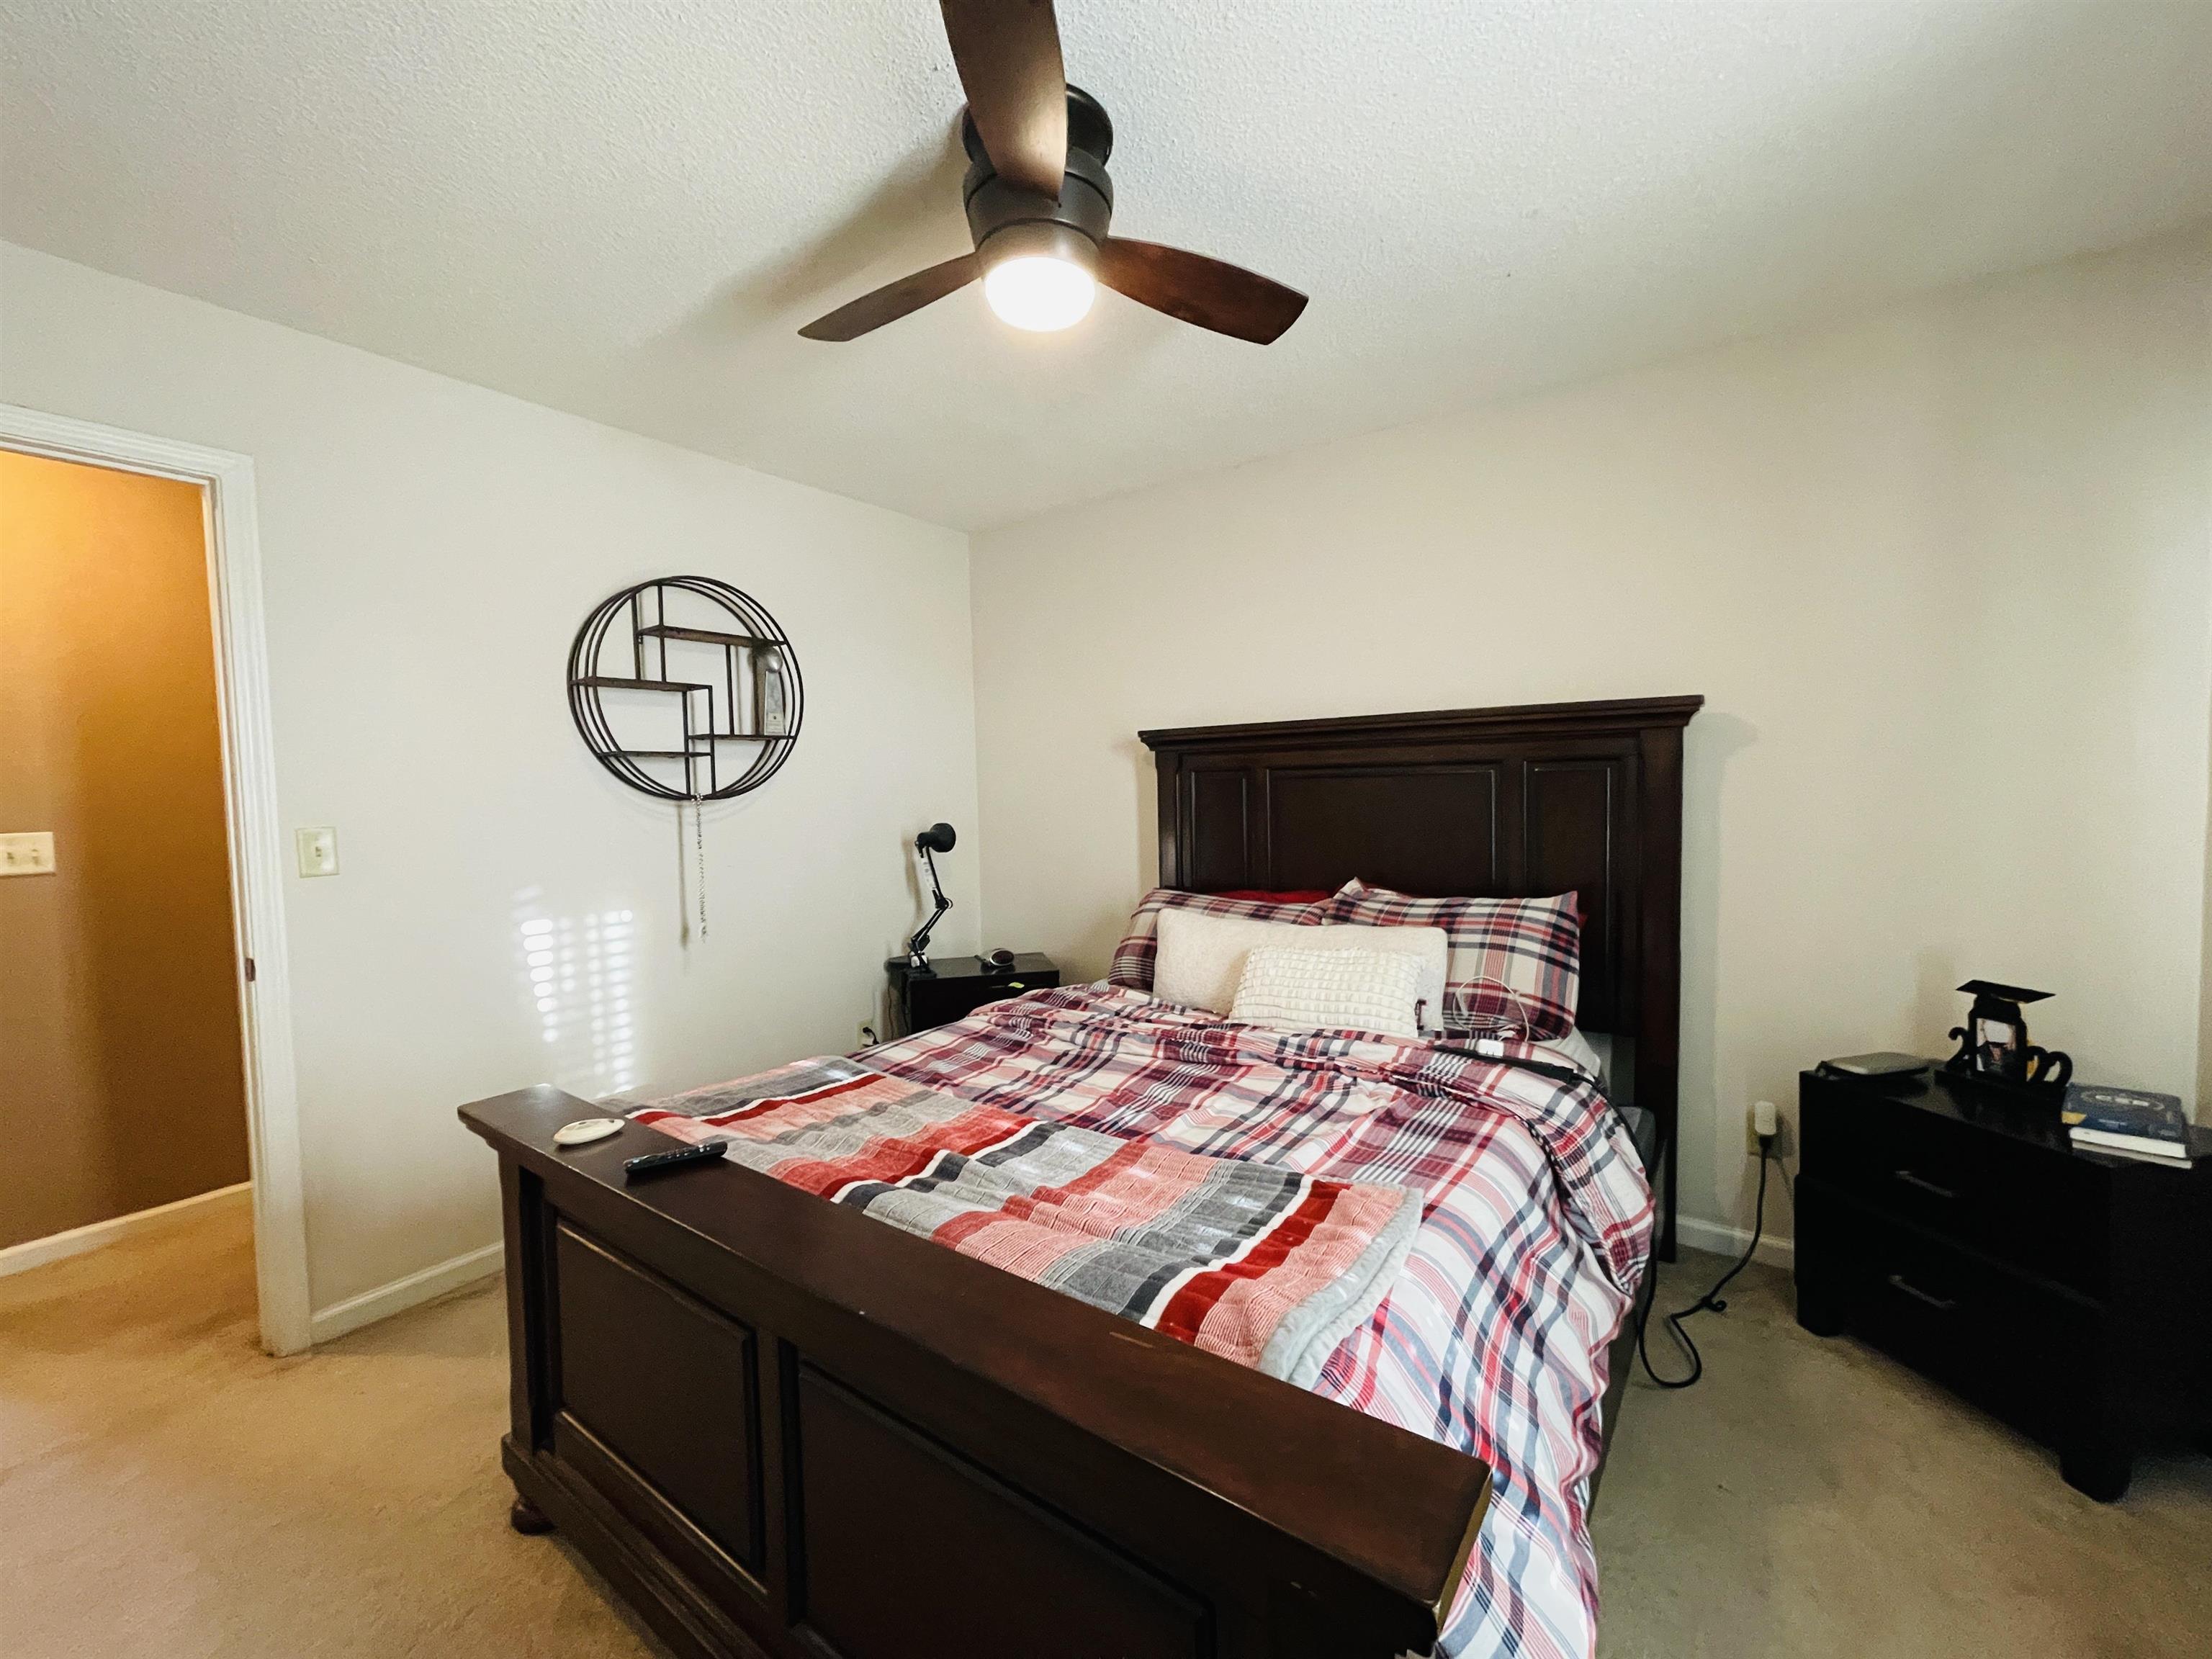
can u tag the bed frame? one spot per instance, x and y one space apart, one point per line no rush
782 1428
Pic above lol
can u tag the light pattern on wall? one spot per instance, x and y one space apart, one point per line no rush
577 973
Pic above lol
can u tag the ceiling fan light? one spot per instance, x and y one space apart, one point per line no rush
1039 292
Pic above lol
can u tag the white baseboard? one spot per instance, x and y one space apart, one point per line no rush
402 1294
1724 1240
56 1246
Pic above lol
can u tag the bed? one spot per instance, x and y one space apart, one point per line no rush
782 1427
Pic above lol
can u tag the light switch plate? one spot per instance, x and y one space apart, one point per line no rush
27 853
318 851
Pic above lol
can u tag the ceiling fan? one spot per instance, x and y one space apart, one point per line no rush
1039 201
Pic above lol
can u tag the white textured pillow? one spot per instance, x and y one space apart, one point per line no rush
1201 957
1301 990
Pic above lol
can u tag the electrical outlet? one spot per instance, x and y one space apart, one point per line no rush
867 1034
1764 1109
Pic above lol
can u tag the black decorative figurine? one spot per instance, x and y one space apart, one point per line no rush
1993 1043
938 838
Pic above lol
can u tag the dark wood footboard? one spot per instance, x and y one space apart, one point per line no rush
779 1427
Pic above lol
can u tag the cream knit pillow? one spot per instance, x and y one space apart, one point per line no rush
1301 990
1201 957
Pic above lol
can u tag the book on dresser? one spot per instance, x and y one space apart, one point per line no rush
2137 1121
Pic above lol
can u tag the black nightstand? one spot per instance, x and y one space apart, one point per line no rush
2069 1293
953 988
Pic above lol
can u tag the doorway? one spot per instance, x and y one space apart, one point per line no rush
147 1022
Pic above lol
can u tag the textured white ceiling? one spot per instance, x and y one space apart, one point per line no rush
624 209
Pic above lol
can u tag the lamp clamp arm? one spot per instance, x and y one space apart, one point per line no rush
917 948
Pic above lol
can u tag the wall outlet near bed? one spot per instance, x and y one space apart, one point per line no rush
1764 1118
1761 1120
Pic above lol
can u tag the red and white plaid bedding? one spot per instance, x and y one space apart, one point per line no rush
1515 961
1535 1223
1259 1264
1139 949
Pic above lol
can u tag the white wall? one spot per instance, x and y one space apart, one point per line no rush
1943 575
429 549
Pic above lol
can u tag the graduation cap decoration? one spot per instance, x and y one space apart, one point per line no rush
1993 1042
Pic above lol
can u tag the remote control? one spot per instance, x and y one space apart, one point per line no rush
654 1162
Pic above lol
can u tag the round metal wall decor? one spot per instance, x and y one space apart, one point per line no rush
686 689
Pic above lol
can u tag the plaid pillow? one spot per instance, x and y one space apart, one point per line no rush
1514 961
1140 947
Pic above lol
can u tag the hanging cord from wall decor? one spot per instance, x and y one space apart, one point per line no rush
699 855
1712 1301
682 886
693 892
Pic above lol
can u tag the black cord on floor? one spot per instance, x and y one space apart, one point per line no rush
1711 1302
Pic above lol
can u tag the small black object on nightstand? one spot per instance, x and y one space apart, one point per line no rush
953 988
1957 1228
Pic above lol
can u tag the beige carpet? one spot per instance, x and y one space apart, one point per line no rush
1813 1497
166 1489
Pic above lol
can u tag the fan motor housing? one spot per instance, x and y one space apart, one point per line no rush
1085 206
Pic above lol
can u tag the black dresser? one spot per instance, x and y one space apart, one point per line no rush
2069 1293
953 988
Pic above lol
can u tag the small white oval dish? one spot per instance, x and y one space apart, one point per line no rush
586 1130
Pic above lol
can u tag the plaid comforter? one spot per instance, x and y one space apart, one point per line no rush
1534 1224
1259 1264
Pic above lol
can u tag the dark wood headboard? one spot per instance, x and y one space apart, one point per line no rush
1546 797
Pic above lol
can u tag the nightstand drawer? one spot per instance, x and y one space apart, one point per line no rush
938 1002
2041 1214
2013 1346
957 987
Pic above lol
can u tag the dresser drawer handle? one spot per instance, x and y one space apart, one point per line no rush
1941 1304
1922 1182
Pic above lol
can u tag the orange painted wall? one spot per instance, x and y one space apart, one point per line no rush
121 1068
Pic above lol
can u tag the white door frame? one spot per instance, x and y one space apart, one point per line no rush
256 863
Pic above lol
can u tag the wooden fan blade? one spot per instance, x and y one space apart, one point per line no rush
894 299
1007 52
1224 298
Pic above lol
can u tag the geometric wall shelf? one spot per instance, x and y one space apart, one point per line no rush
686 689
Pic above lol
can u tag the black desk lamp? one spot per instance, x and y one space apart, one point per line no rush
938 838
